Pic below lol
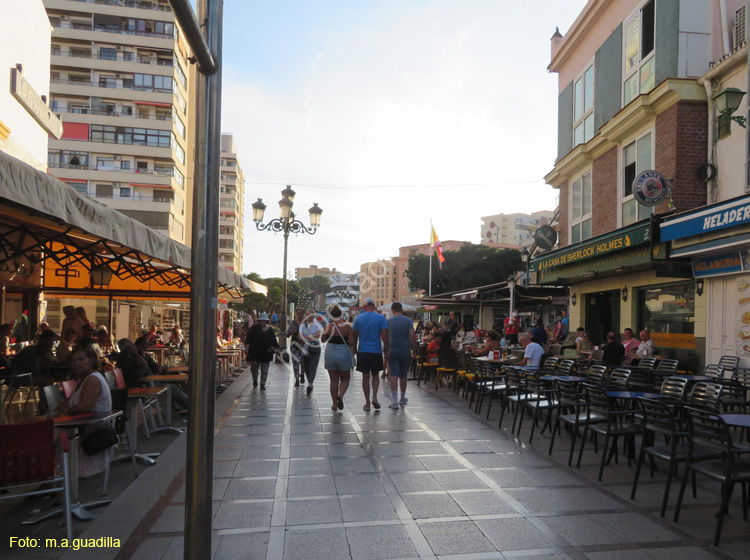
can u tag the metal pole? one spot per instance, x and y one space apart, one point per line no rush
183 13
282 318
203 296
512 289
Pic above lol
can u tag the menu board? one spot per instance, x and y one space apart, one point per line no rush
743 316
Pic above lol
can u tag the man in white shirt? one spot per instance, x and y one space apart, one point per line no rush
646 347
532 353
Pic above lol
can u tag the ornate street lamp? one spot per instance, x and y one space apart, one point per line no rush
286 223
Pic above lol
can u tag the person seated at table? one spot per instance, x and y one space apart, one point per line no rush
613 352
65 348
532 352
152 337
141 345
5 352
104 340
36 359
43 326
539 333
427 333
583 346
89 337
174 337
72 320
136 364
91 394
433 347
491 343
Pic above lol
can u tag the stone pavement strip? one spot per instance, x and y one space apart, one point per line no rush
296 480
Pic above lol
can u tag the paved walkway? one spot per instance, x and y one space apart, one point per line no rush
295 480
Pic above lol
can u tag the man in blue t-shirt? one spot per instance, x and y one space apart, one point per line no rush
532 353
371 336
403 348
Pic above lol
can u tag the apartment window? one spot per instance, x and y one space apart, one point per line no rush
55 50
105 163
125 192
107 81
179 177
127 111
128 56
107 54
639 53
103 191
80 187
181 101
181 76
580 217
125 165
69 158
149 82
583 107
637 156
226 203
178 123
179 152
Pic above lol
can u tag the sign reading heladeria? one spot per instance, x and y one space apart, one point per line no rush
34 104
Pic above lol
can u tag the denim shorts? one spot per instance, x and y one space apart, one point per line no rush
399 365
338 357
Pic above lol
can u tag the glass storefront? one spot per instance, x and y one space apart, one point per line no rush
667 309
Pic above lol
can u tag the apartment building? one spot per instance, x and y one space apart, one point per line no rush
513 229
314 270
404 292
378 280
232 206
631 103
119 82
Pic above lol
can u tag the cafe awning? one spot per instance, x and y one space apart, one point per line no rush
498 295
52 236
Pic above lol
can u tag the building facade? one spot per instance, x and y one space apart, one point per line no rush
404 292
314 270
344 291
513 229
231 206
630 101
119 82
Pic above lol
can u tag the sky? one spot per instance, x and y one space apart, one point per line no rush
390 115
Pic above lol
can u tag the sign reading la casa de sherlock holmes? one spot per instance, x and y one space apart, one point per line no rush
630 247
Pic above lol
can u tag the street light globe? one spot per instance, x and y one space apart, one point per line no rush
315 213
289 193
285 208
258 210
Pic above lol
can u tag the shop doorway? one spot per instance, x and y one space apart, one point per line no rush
602 315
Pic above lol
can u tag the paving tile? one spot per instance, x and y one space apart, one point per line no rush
233 515
309 512
343 465
513 534
401 464
311 465
456 537
301 486
250 489
415 482
583 530
242 546
297 451
564 499
367 508
636 526
362 483
261 452
379 543
440 462
484 502
323 544
459 480
256 468
431 506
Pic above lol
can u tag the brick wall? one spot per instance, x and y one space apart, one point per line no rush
681 146
604 193
563 218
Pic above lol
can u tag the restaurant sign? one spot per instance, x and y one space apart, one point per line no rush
618 241
715 265
633 256
732 213
34 104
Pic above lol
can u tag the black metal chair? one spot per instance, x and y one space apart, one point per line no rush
709 431
573 411
619 380
597 374
673 389
706 396
729 363
447 366
615 426
540 397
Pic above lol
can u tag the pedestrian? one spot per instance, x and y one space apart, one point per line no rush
539 333
402 343
339 355
295 346
309 333
371 335
262 345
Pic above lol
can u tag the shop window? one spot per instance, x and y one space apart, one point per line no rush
637 156
639 67
580 216
667 309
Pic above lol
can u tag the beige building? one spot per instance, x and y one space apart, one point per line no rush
232 206
119 82
378 280
404 293
314 270
513 229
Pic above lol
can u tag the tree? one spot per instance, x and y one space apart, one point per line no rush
271 302
469 267
315 286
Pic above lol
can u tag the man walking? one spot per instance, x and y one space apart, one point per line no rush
403 347
371 335
298 366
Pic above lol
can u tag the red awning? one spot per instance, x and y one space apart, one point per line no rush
150 185
75 131
72 180
153 103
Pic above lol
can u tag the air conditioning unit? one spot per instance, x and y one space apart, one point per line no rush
118 75
63 17
115 157
119 47
740 29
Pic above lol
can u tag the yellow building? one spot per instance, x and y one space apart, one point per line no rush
231 206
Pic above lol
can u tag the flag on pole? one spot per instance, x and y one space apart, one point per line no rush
435 242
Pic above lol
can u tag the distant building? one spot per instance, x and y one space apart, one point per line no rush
344 290
404 292
314 270
232 206
513 229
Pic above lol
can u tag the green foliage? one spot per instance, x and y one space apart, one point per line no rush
469 267
313 286
272 302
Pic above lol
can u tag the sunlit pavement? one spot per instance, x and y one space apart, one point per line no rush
293 479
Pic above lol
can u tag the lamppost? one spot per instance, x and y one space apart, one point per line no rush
286 224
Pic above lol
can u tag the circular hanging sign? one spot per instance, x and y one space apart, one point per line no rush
650 188
545 237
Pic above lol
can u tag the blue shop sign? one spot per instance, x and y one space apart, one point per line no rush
726 263
728 214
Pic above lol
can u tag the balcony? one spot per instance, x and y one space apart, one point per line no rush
103 113
120 63
117 3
